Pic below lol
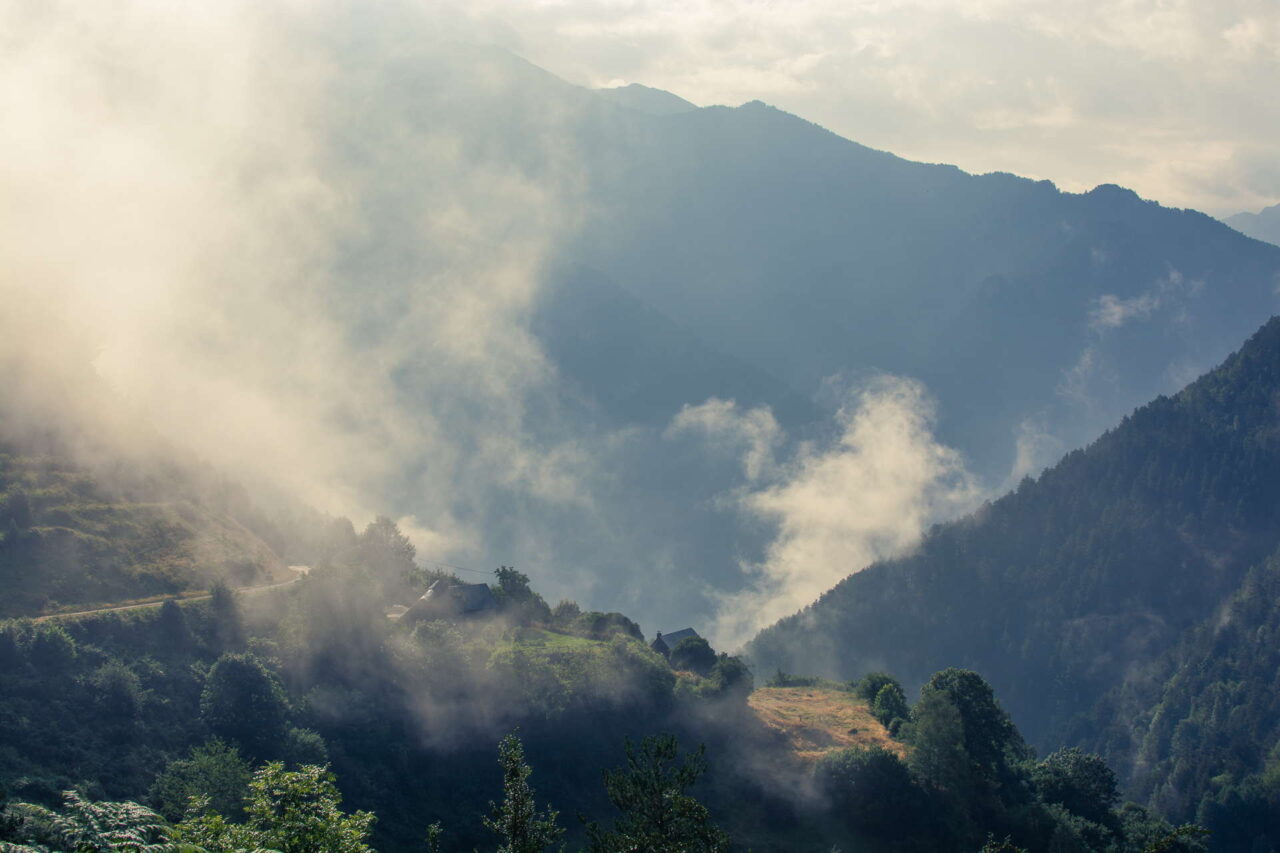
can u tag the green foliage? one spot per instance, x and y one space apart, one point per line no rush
553 679
118 691
83 826
870 685
658 816
890 707
872 791
517 598
51 649
287 811
1081 783
732 677
602 626
74 536
1146 552
693 654
213 771
517 821
244 703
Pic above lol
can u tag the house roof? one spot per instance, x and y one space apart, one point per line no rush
447 596
676 636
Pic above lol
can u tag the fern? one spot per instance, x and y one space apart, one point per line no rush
84 826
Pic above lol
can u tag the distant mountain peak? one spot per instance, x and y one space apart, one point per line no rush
1263 225
646 99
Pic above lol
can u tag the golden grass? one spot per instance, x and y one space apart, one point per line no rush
818 720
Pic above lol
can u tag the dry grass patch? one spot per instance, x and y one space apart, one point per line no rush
818 720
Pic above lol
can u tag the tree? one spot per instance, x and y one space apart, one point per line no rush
989 734
522 828
288 811
244 703
1081 783
387 556
228 629
215 771
172 626
890 706
51 650
694 654
872 683
872 790
514 594
657 815
117 691
732 676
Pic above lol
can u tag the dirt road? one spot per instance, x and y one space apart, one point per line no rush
299 573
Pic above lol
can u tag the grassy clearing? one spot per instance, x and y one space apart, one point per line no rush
818 720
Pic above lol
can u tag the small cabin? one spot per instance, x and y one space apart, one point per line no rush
448 598
666 642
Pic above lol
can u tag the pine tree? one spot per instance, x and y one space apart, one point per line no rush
517 821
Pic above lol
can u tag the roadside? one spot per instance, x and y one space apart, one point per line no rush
299 572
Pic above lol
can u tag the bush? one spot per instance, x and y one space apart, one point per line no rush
693 654
244 703
872 790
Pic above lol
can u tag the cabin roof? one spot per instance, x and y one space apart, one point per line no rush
676 636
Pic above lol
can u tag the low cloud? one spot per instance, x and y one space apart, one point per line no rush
264 231
837 506
754 434
1113 312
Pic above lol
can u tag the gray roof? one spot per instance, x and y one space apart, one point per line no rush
676 636
450 597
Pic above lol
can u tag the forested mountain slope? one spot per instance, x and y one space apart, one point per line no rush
70 535
1084 581
808 255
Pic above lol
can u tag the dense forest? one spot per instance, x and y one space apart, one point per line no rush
241 722
1119 602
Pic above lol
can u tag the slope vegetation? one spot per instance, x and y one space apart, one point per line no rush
817 721
1136 565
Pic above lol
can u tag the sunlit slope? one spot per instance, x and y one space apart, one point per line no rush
1089 577
818 720
73 537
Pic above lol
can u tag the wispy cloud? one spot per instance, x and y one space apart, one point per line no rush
259 225
835 507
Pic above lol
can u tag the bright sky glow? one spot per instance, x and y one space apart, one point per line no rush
1173 98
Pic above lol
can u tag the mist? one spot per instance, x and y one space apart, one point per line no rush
255 224
350 255
834 506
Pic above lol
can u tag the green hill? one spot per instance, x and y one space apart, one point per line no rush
1099 593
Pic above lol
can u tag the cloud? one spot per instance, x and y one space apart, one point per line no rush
755 433
835 507
1112 312
274 238
1104 91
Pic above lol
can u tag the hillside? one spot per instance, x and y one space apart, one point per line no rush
75 538
807 255
157 705
1088 577
817 721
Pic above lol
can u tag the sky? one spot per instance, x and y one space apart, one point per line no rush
1172 98
289 237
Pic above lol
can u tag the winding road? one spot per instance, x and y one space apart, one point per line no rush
299 573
